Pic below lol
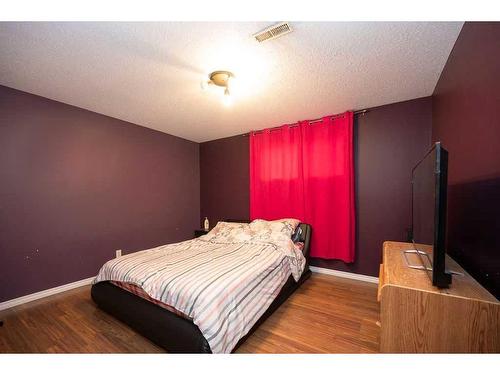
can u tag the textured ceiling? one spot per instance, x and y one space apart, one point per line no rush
150 73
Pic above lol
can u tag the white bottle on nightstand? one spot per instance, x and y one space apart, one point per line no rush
206 224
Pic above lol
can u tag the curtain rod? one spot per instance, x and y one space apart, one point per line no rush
359 112
355 113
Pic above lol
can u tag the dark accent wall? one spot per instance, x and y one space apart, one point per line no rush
75 186
389 140
224 179
466 119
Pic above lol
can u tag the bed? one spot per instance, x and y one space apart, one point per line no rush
173 329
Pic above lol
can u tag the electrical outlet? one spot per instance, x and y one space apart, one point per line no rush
118 253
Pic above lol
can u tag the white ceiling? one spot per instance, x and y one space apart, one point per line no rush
150 73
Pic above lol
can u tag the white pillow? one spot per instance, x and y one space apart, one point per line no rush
226 232
285 226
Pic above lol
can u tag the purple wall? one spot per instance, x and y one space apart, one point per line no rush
466 119
389 140
77 185
224 179
466 104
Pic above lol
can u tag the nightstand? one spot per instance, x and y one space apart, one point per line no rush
200 232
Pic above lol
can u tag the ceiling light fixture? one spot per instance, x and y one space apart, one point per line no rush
220 78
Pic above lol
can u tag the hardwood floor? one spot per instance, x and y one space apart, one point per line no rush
325 315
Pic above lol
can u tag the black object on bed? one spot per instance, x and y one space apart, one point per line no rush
172 332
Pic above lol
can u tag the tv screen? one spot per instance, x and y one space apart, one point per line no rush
429 187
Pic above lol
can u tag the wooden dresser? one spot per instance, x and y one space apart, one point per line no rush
417 317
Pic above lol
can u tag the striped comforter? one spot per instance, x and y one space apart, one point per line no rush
224 287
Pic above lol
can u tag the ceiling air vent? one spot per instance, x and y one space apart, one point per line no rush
273 32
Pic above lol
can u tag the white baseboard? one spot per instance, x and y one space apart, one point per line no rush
44 293
346 275
58 289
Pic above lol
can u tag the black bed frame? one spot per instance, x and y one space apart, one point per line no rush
174 333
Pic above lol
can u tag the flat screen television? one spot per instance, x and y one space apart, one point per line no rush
429 193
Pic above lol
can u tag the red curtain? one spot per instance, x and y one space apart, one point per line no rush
306 171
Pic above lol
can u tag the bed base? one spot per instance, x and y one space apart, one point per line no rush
172 332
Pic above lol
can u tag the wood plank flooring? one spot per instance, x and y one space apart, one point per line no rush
325 315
